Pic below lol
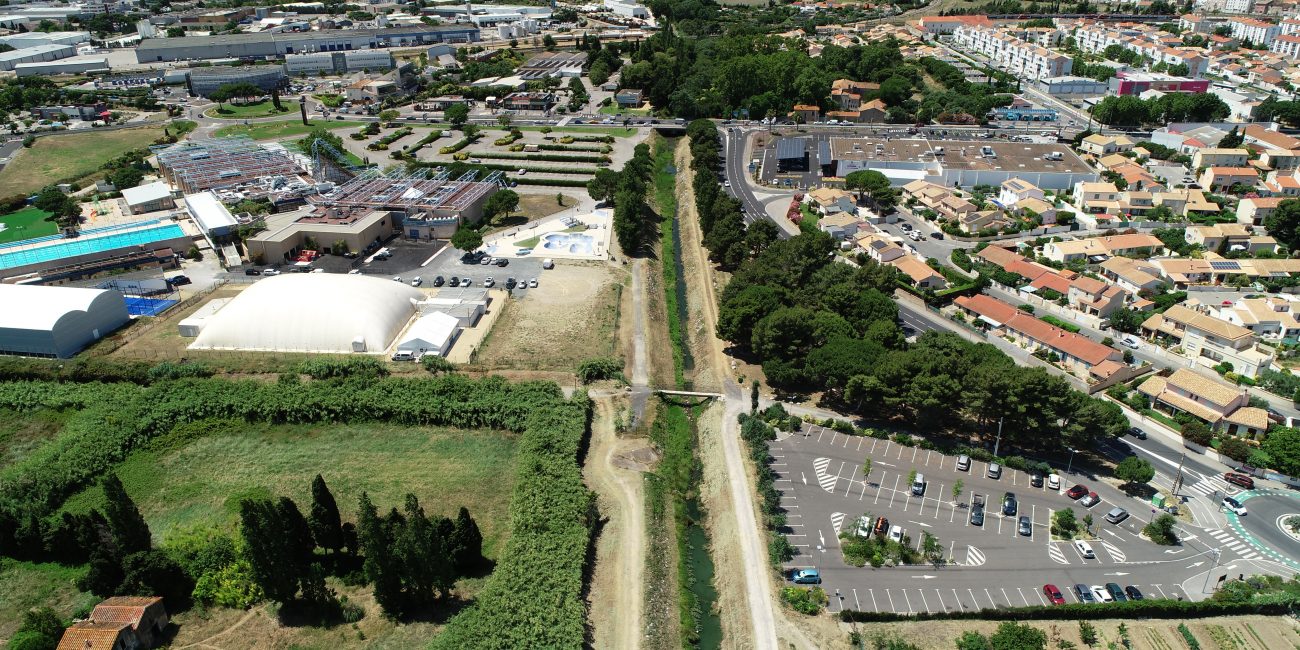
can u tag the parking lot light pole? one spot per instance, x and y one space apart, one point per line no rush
821 551
998 443
1207 574
1071 464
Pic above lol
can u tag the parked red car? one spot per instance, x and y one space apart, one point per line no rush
1240 480
1077 491
1053 595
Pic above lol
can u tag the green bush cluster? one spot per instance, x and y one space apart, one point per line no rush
756 433
534 598
805 600
382 143
459 144
550 182
598 369
586 171
340 367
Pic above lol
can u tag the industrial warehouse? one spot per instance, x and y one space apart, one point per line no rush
278 44
56 322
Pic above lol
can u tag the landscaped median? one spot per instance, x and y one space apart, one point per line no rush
1132 609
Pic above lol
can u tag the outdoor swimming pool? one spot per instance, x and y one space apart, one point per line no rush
89 242
567 242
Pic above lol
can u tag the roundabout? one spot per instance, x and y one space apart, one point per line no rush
1265 525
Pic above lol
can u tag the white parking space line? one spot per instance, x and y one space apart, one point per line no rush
953 515
895 492
1013 477
873 445
1162 591
914 450
846 441
874 606
925 602
942 607
974 602
1022 596
928 454
891 602
820 434
856 605
909 603
864 490
900 453
1033 519
885 453
990 597
1042 600
958 599
880 482
860 441
936 501
853 472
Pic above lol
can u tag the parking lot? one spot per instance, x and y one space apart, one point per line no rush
990 563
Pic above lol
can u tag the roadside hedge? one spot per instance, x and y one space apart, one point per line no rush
540 170
460 144
554 147
1131 609
549 182
534 597
540 157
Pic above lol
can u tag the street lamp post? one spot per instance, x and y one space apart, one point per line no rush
1210 572
998 443
1070 466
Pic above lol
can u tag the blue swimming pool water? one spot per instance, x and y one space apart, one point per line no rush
90 242
84 233
577 244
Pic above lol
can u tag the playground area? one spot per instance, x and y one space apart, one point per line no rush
582 237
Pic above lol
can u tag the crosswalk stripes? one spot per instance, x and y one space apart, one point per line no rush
837 520
1057 554
974 556
1114 551
1208 486
1231 543
827 481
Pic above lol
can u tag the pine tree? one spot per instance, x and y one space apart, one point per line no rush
63 540
467 543
299 546
326 527
268 549
105 574
375 542
130 532
417 549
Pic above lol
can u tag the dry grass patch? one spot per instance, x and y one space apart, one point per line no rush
74 156
568 319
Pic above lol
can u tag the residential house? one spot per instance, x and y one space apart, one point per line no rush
920 273
119 623
1127 245
1222 178
841 225
832 200
1094 297
1096 197
1218 404
1208 340
1272 317
1101 145
847 94
1269 139
806 113
1253 211
879 247
1015 190
1216 157
1081 355
1134 276
1185 202
1228 236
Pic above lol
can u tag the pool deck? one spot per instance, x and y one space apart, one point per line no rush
598 223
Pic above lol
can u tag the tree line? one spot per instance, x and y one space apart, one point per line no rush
722 223
634 222
819 325
1128 110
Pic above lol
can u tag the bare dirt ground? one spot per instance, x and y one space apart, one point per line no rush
568 319
1236 633
700 301
614 465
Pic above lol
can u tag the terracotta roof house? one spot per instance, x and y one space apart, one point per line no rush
119 623
1220 405
1079 354
1209 340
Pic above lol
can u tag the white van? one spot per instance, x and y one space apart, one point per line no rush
405 355
918 486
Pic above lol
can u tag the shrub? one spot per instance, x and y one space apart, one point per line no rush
1129 610
169 370
1197 432
805 600
1161 530
340 367
437 364
598 369
1234 448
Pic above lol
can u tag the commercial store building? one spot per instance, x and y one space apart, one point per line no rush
951 163
352 61
56 322
73 65
205 81
35 54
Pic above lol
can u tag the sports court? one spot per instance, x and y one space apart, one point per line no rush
142 306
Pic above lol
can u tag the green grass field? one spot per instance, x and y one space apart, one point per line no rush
230 111
28 585
25 431
282 129
69 157
25 224
198 479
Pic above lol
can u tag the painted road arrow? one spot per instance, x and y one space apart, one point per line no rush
1195 565
1117 573
926 577
1175 551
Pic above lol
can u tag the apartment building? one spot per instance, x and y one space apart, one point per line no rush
1288 45
1011 53
1144 40
1271 317
1096 197
1208 340
1222 406
1256 31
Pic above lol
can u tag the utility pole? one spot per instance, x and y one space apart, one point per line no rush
998 443
1178 478
1208 574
